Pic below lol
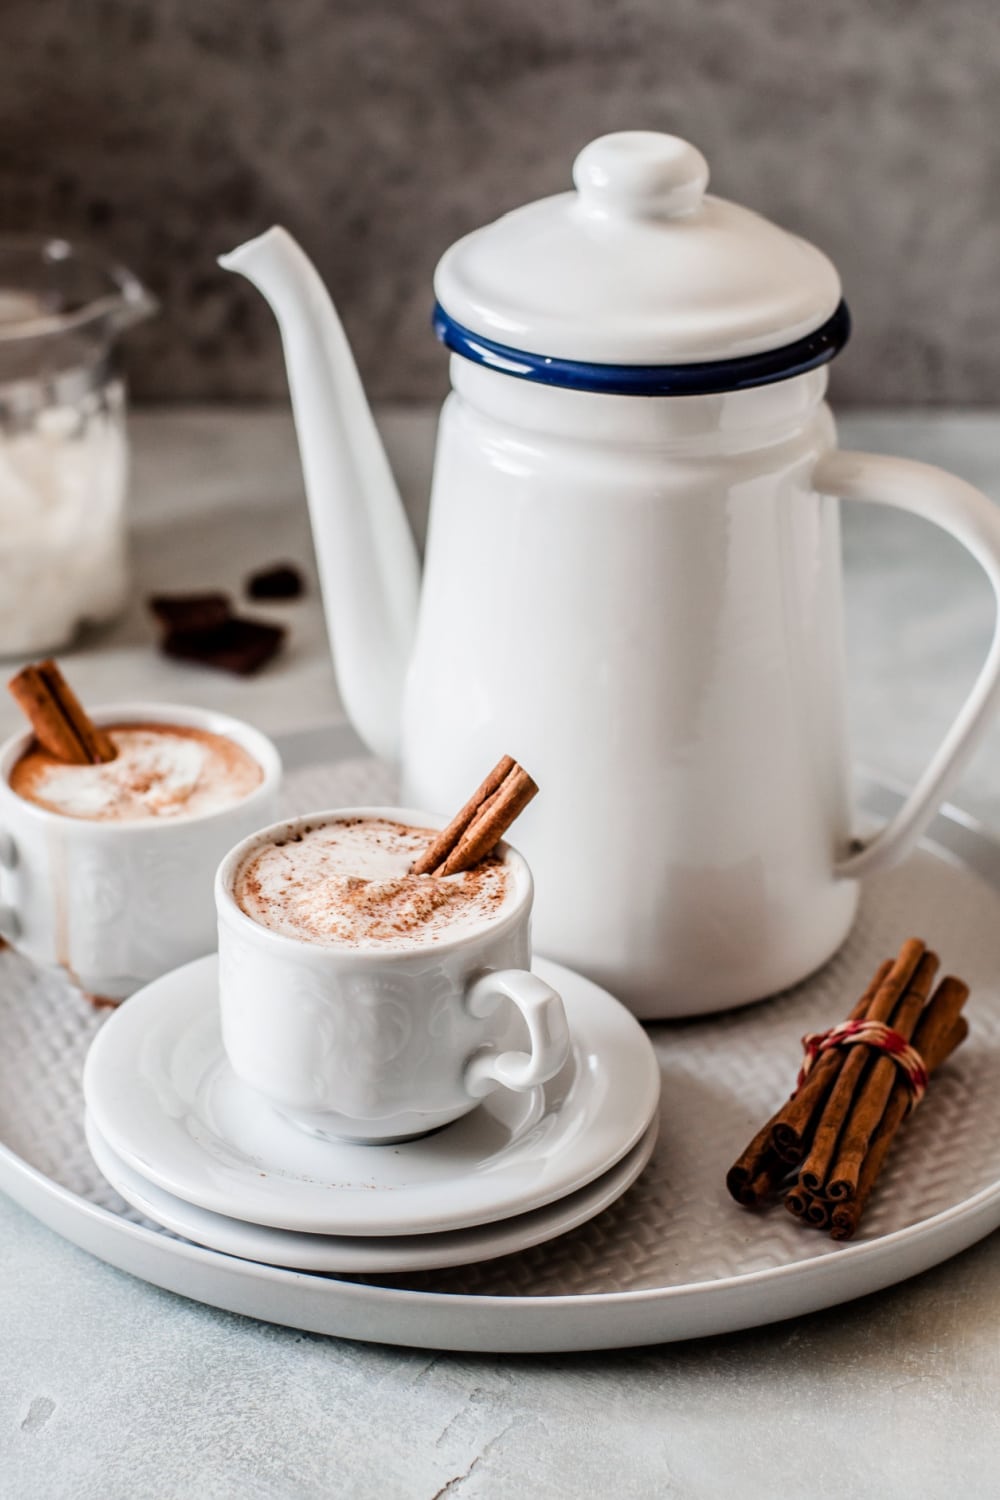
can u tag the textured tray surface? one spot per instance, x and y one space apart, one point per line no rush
721 1077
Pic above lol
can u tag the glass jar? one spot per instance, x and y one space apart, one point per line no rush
63 445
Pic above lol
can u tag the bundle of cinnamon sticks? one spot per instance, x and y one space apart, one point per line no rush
822 1152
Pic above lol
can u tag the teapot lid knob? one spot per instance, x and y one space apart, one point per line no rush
640 266
640 174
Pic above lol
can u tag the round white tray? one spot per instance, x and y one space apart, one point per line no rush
675 1258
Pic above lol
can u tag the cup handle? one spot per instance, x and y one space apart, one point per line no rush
548 1031
10 922
972 519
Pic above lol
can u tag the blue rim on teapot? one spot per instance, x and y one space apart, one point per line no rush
709 378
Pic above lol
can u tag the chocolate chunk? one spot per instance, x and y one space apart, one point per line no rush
282 581
190 612
237 645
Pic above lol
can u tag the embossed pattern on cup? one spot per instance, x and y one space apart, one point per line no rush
118 904
376 1044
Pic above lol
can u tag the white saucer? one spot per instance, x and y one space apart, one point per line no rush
160 1091
356 1253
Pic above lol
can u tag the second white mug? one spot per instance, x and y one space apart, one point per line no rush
120 903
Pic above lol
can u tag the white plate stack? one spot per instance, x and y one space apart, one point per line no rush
196 1150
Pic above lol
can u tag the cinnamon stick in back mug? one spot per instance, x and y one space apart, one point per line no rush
112 825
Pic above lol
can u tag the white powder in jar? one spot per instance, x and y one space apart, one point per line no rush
63 554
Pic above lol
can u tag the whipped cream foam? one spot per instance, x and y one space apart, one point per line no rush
347 883
161 771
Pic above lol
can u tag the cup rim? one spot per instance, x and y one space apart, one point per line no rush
247 736
229 910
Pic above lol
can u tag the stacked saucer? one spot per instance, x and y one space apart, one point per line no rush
191 1146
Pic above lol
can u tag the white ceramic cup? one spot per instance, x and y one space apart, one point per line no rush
118 904
378 1044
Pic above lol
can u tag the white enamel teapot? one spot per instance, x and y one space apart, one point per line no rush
632 577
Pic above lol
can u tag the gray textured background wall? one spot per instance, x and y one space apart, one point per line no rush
168 130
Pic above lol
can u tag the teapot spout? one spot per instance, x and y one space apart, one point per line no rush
367 560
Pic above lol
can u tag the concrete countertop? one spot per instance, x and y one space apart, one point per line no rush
111 1388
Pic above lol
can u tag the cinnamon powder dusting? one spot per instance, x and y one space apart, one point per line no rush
159 771
349 883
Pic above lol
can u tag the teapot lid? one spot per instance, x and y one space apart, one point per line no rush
640 281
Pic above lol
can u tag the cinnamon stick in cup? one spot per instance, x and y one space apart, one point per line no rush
477 829
61 724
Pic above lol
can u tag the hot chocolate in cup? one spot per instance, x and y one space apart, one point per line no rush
368 1004
160 772
107 870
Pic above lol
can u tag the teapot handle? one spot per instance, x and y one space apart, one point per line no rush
972 519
